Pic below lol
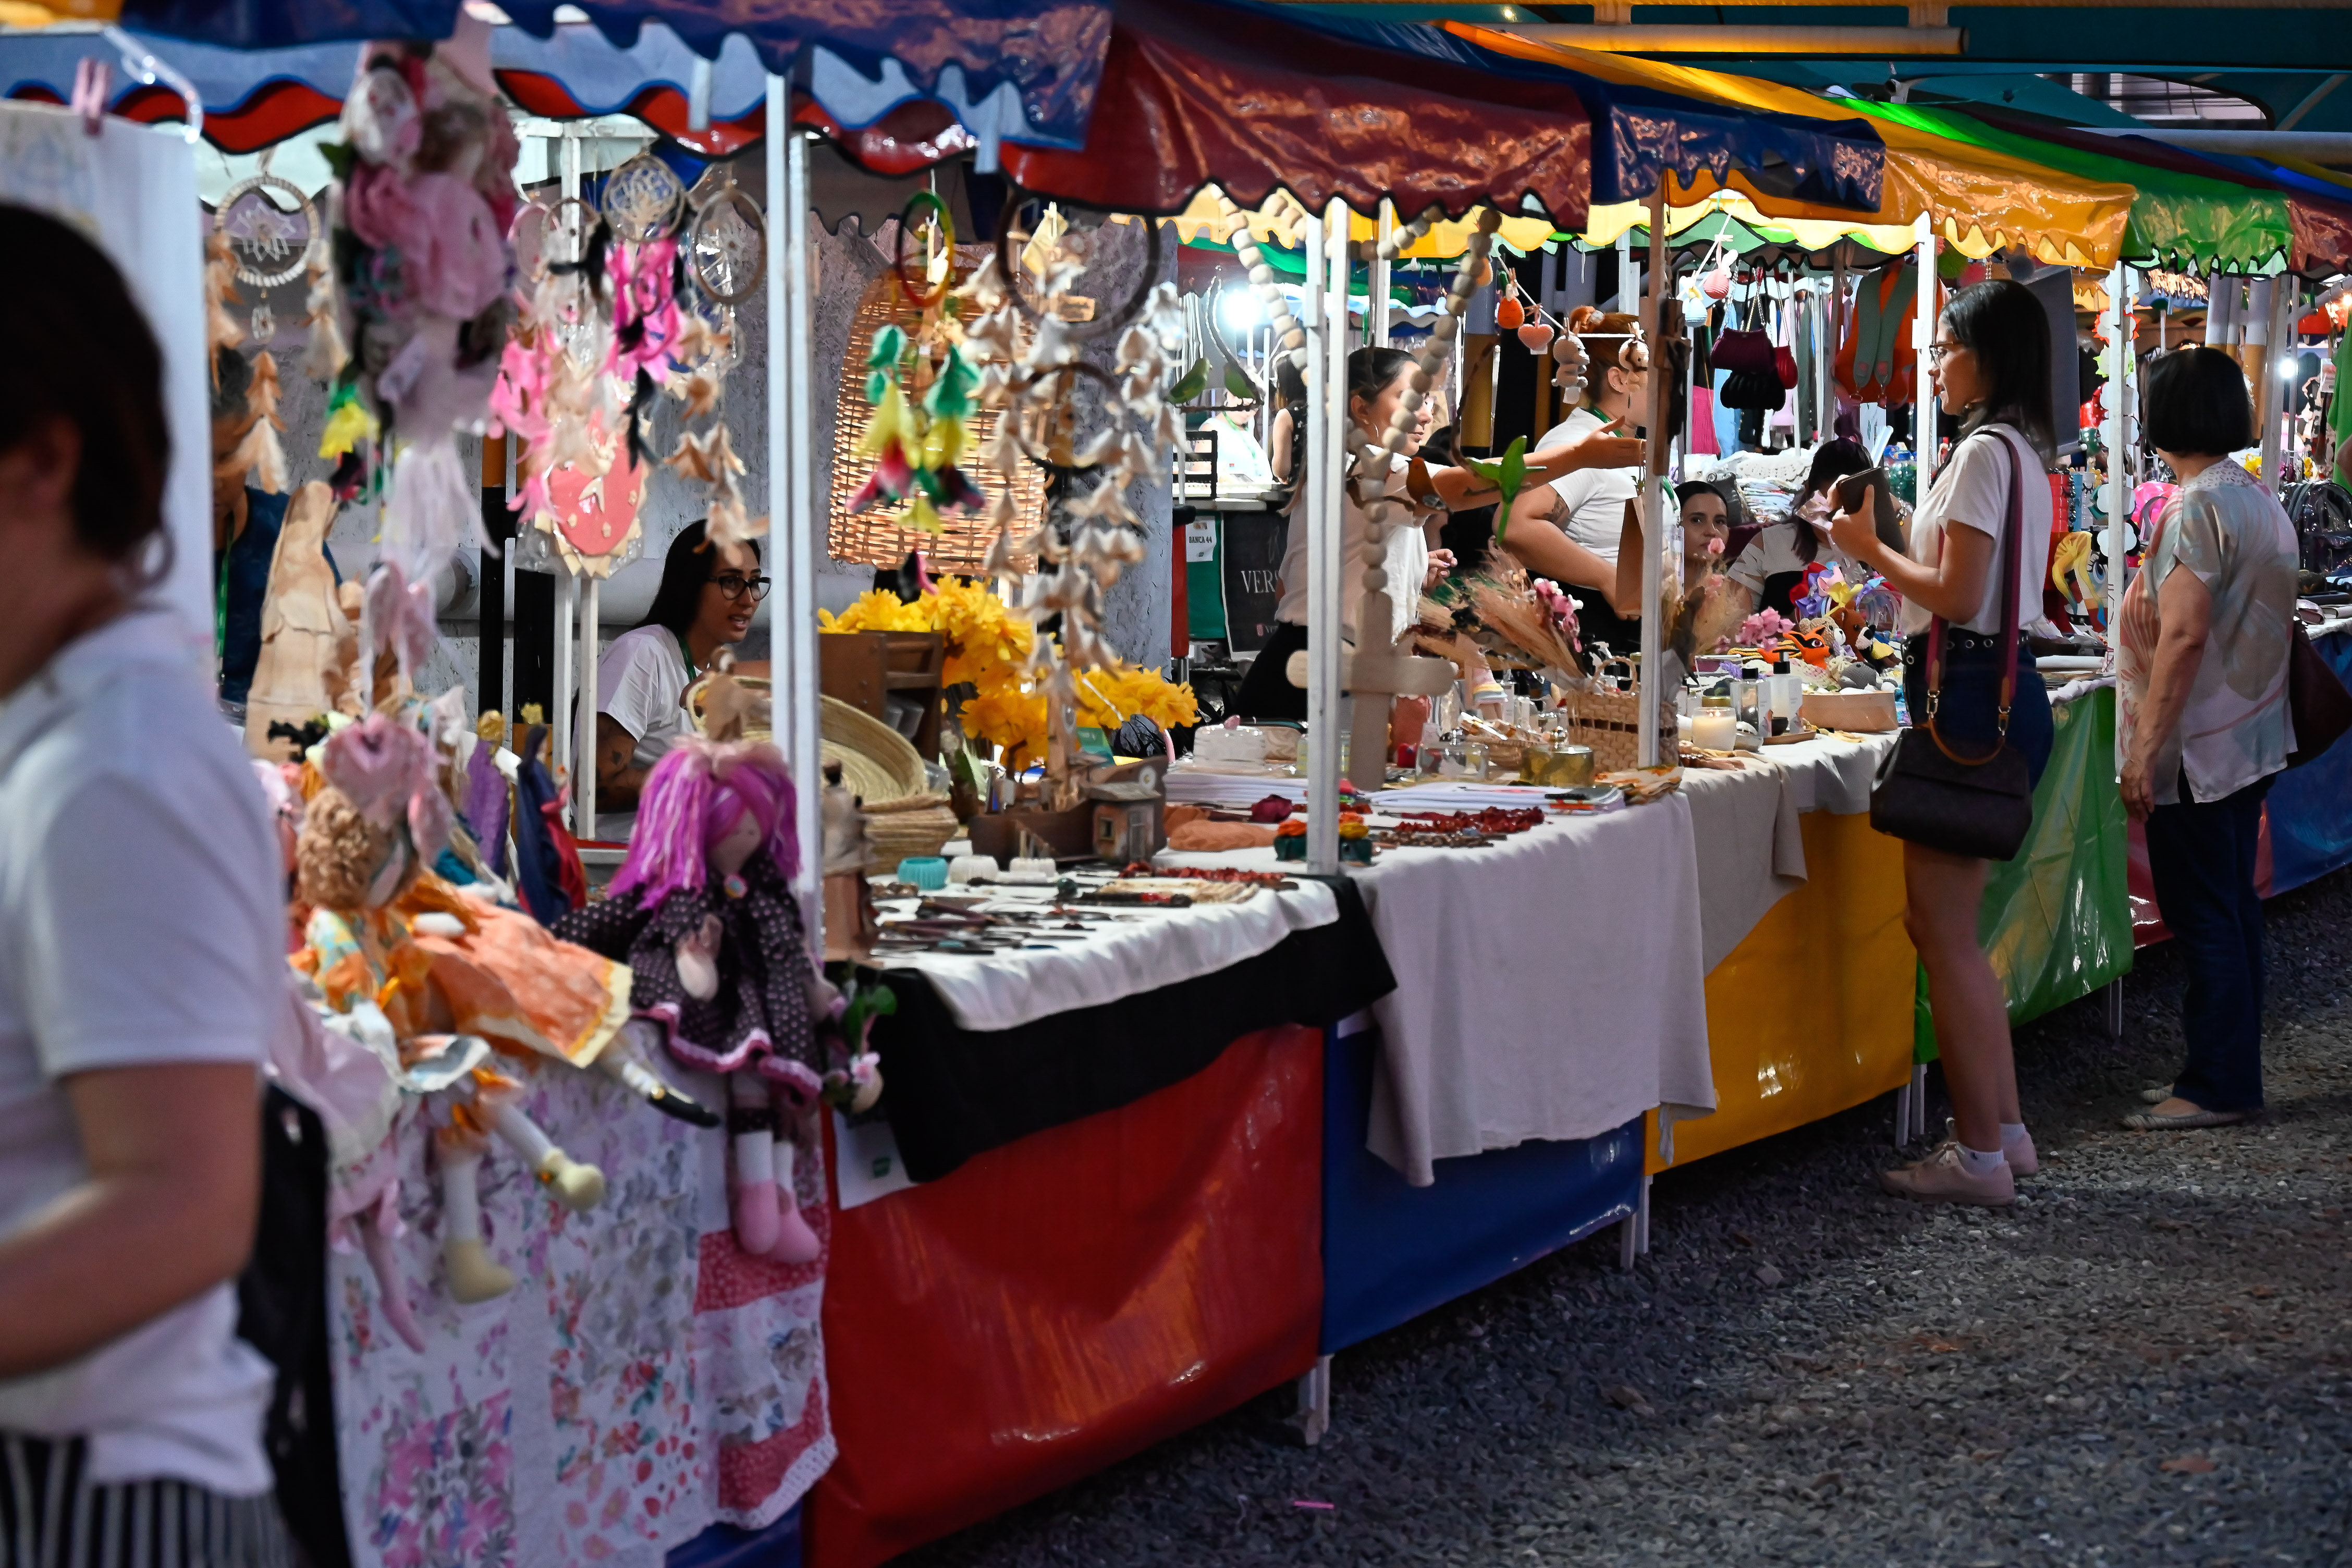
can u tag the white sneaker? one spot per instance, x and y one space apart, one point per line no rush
1941 1178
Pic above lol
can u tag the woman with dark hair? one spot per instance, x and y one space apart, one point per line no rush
1286 436
1467 535
1771 569
1377 379
704 603
2201 664
1569 528
1709 513
143 939
1990 366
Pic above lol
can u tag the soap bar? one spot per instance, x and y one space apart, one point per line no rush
1031 868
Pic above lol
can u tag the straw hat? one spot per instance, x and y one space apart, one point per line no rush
878 762
903 814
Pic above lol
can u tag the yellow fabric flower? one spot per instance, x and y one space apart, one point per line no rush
346 429
988 648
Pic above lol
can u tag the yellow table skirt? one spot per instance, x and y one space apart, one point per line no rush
1811 1013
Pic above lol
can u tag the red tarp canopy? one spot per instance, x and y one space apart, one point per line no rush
1198 93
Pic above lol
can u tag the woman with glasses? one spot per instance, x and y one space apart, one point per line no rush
704 603
1990 365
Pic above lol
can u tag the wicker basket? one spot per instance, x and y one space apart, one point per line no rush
903 814
915 825
874 537
1606 722
877 764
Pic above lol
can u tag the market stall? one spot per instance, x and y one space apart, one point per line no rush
1144 1147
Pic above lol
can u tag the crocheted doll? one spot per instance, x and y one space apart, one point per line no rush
704 915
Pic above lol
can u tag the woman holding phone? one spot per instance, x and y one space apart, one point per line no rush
1990 366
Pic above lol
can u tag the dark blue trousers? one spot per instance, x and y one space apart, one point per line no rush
2201 859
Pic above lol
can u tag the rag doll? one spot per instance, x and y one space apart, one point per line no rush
704 915
366 834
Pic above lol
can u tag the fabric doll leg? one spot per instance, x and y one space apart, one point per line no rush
795 1242
576 1187
750 1126
390 1286
474 1276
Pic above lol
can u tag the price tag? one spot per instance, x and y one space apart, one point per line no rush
1201 539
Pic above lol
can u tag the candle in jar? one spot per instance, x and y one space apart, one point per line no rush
1714 730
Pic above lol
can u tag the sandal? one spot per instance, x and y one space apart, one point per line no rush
2149 1121
2157 1095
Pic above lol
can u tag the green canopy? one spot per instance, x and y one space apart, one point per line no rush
2177 220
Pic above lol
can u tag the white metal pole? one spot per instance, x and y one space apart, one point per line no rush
1626 298
1923 336
1378 313
1323 568
1338 427
2278 368
792 494
561 723
583 782
2119 323
1647 686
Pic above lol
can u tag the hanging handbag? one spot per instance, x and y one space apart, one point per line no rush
2316 702
1744 348
1784 365
1928 793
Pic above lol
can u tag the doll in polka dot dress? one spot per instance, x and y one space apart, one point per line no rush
703 914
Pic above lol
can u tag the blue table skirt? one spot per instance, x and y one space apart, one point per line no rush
2311 806
1391 1252
725 1546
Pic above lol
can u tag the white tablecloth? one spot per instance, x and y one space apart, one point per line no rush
1120 958
1827 774
1750 850
1547 987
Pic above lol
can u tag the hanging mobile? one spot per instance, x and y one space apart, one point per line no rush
272 244
727 245
643 200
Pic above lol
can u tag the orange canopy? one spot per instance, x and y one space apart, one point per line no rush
1979 199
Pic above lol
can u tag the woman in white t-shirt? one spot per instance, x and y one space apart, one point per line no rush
705 603
142 931
1377 379
1991 365
1771 569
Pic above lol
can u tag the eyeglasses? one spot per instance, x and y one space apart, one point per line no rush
734 584
1936 353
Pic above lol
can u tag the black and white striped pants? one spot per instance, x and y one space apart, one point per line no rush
53 1516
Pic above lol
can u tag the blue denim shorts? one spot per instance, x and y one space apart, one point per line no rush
1968 711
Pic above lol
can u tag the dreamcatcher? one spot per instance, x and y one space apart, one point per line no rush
1028 340
920 382
265 233
272 234
610 323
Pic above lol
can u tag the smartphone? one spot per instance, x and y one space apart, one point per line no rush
1886 521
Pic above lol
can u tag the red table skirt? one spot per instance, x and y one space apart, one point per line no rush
1058 1304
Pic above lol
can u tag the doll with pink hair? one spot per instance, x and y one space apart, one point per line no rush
703 913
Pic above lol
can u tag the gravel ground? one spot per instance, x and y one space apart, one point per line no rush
2147 1361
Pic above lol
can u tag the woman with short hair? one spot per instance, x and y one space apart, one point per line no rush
2201 666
